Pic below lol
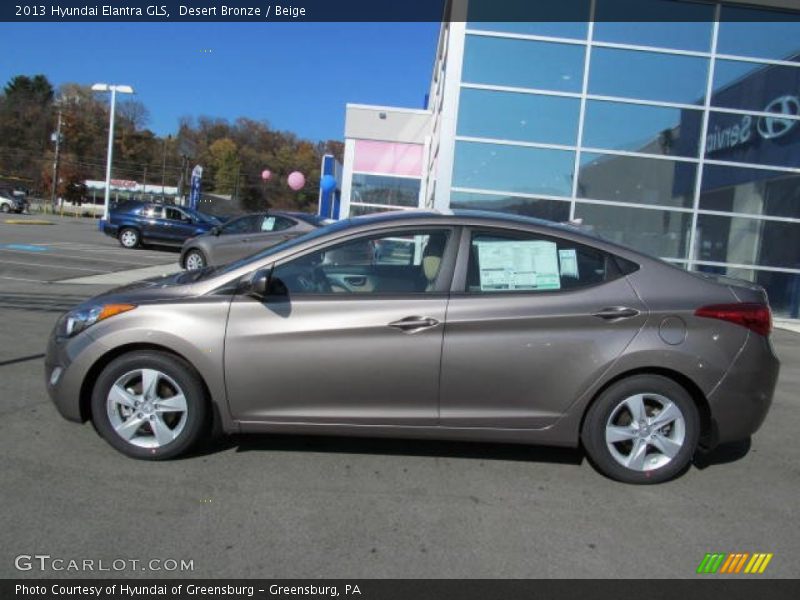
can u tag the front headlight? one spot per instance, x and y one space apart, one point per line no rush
77 320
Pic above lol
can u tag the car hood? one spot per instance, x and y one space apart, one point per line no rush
175 285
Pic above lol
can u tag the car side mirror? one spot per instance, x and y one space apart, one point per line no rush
215 230
259 285
263 285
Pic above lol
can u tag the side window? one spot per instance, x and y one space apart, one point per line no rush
247 224
153 212
173 214
282 223
511 262
400 262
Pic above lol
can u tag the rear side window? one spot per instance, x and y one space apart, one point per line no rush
521 262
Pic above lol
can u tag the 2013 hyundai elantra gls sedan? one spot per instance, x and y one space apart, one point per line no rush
463 326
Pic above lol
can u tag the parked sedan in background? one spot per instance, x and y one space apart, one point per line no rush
244 236
11 201
136 223
471 326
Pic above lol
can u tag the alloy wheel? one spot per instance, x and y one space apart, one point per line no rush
147 408
645 432
129 238
195 261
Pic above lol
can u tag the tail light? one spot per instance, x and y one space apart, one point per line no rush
756 317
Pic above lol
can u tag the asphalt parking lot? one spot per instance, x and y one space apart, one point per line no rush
291 507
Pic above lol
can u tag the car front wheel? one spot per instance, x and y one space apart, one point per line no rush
642 429
149 405
129 238
4 208
195 260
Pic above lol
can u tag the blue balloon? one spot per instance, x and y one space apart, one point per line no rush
328 183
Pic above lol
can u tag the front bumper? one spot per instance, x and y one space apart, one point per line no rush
66 366
740 401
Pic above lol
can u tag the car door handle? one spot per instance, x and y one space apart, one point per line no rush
414 324
612 313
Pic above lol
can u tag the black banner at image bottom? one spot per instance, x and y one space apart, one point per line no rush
397 589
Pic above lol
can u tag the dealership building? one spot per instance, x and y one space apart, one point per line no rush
680 137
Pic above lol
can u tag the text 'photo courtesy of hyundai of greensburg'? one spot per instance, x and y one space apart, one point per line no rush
420 325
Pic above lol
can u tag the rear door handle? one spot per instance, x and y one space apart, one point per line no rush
414 324
613 313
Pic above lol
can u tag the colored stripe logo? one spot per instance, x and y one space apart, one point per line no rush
734 563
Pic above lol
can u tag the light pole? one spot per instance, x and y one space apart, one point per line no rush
122 89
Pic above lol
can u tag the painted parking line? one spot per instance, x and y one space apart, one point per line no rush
24 247
46 266
100 259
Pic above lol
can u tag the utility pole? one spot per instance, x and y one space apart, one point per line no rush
236 187
56 159
164 166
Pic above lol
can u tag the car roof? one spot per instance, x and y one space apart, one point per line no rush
489 219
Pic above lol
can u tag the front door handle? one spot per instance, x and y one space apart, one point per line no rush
613 313
414 324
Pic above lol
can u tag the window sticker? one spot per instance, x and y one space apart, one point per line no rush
569 263
268 224
518 265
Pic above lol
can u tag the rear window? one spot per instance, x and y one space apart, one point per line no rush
502 261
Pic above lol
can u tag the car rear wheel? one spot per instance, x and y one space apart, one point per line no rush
195 260
129 238
149 405
643 429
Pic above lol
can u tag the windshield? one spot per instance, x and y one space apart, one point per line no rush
311 235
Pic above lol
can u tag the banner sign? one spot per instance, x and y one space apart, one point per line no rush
194 194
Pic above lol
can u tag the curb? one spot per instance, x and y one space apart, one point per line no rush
27 222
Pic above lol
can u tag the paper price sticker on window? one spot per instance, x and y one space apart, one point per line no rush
518 265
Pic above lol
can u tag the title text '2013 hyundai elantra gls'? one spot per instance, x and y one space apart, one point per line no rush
463 326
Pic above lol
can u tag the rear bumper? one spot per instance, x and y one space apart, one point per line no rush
740 401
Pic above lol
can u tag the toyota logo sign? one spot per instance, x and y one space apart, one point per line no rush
774 127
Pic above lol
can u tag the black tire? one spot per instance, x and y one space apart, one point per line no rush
195 257
129 238
610 404
4 208
182 374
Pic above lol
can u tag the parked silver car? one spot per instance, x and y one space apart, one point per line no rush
468 326
244 236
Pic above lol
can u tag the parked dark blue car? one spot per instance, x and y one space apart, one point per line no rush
135 223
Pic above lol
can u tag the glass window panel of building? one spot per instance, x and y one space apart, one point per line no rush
750 191
646 75
752 86
642 128
759 33
657 23
550 210
513 168
636 180
382 189
518 116
564 19
745 241
658 232
753 139
510 62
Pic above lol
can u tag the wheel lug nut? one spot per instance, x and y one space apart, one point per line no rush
139 415
152 417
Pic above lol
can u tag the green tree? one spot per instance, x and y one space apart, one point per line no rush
226 165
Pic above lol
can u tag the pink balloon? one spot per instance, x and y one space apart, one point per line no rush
266 174
296 180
